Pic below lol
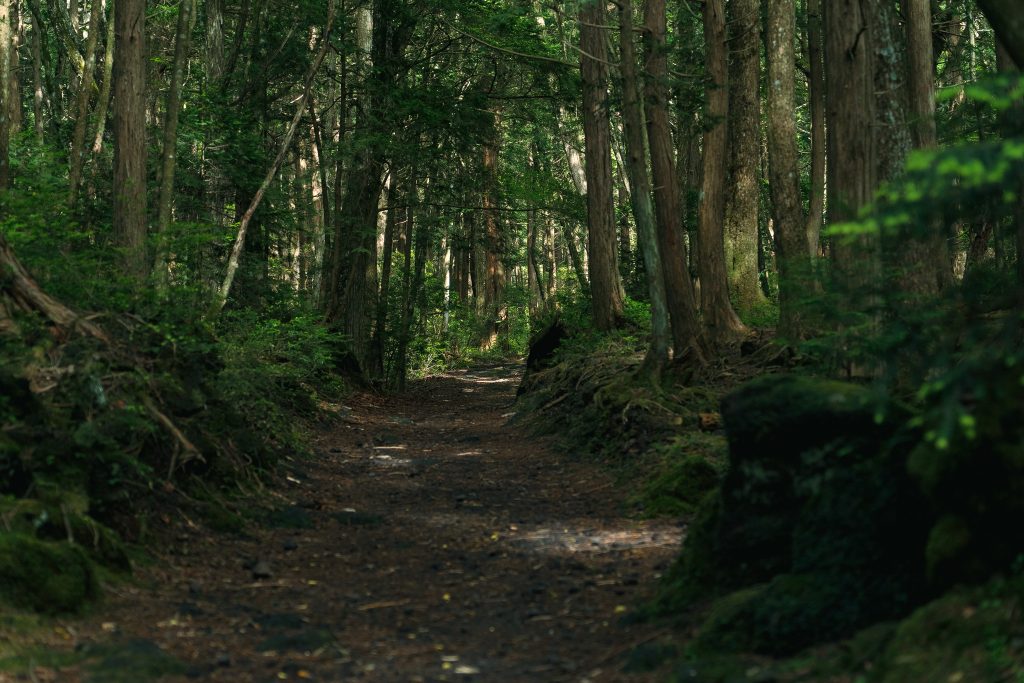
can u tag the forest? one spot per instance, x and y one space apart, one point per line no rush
512 340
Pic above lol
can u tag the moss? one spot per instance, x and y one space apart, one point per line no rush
967 635
46 577
219 518
682 481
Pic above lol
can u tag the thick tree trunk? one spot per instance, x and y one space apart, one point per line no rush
784 175
605 282
130 134
720 321
1006 18
215 41
640 196
743 191
687 337
168 162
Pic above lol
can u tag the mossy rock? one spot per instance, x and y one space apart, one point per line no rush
972 634
817 508
51 521
52 578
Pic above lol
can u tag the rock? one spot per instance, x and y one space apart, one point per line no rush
290 545
816 530
223 660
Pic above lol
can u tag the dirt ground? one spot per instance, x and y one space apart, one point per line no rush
428 540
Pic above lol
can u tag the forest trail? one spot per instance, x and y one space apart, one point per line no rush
428 541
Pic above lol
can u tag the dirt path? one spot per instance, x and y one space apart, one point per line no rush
429 542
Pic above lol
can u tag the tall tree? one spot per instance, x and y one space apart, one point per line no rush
1008 22
6 42
605 282
816 95
169 156
720 320
130 134
687 338
640 196
84 95
742 195
784 178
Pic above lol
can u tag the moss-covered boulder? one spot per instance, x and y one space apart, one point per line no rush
974 480
46 577
816 510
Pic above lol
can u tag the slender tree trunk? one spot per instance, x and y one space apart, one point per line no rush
576 259
605 283
168 162
720 320
37 76
640 197
130 134
687 337
743 193
550 263
6 43
495 308
816 93
14 81
391 218
84 95
784 174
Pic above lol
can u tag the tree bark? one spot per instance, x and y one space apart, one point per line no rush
687 337
6 43
816 93
605 283
168 162
657 355
784 174
1007 20
84 95
130 134
743 191
720 321
494 305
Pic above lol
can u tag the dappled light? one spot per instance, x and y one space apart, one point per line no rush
599 341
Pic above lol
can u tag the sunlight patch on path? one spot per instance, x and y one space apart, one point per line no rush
566 539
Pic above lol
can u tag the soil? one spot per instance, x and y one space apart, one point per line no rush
428 540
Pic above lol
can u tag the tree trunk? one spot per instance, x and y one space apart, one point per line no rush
215 41
605 283
720 321
84 95
743 193
1007 20
6 43
640 197
103 103
18 290
168 162
816 93
494 305
38 91
130 134
784 174
687 337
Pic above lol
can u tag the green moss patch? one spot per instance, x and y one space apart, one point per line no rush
52 578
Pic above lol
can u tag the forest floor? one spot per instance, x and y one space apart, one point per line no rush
427 540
